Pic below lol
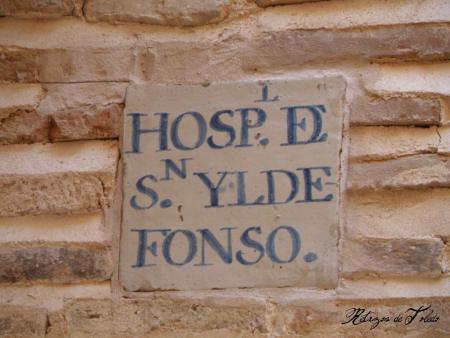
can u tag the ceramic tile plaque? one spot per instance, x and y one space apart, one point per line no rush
231 185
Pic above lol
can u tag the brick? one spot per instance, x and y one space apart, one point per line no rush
24 126
57 178
417 171
22 321
372 110
397 213
190 60
40 8
84 111
171 12
68 228
164 316
392 257
55 263
14 97
51 296
85 64
352 13
394 288
423 79
267 3
444 144
18 64
19 121
299 47
82 64
379 143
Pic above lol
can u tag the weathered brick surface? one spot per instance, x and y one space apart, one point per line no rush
266 3
15 97
417 171
24 126
84 111
163 316
397 213
54 263
82 64
299 47
40 8
392 257
172 12
22 321
444 144
377 143
367 110
56 178
290 315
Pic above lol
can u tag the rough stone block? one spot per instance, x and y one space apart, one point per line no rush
170 12
57 178
40 8
378 143
415 171
392 257
299 47
22 321
397 213
366 110
56 263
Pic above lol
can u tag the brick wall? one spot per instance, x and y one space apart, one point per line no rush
65 66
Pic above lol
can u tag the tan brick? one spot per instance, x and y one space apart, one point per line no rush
378 143
353 13
394 288
160 315
51 296
266 3
392 257
24 126
85 64
397 213
299 47
84 111
410 78
417 171
40 8
67 228
54 262
444 142
56 178
367 110
170 12
14 97
19 121
18 64
22 321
